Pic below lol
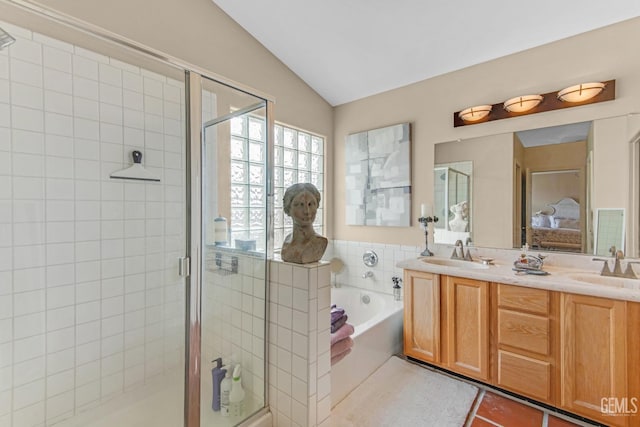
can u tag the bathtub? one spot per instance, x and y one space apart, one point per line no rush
377 336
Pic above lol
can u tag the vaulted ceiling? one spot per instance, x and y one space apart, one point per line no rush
350 49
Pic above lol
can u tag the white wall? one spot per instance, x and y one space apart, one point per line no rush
429 105
90 303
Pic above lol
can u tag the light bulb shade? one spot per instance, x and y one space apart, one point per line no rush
473 114
581 92
520 104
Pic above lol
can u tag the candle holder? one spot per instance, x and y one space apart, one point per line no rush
424 221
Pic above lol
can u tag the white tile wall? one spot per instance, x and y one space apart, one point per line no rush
299 357
351 252
90 302
233 323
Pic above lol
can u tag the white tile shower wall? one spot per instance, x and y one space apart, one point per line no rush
351 253
299 350
90 303
233 321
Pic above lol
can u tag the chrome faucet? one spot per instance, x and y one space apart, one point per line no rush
367 275
618 256
464 256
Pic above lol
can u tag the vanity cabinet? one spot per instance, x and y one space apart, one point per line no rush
422 316
466 326
575 352
525 321
593 361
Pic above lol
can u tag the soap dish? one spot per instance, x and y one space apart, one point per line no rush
485 260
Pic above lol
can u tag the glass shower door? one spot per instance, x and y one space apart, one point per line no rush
233 253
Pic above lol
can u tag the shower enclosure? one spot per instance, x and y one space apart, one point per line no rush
114 293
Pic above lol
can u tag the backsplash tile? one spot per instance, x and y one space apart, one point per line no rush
351 253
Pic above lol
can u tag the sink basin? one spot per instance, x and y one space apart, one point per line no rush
470 265
596 279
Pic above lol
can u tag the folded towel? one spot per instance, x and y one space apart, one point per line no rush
341 347
344 332
337 325
336 313
339 357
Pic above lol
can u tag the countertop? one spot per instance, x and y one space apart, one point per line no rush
560 278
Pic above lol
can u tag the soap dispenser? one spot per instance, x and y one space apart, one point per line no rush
397 290
217 375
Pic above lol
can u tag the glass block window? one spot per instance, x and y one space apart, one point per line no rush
298 157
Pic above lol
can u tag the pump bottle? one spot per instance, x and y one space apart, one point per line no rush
225 390
236 396
217 375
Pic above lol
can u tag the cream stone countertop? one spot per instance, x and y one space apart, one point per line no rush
577 274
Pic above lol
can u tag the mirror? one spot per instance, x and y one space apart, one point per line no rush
541 187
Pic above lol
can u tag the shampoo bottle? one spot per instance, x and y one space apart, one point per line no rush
220 231
225 390
236 396
217 375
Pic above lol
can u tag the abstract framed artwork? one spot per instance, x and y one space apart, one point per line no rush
378 177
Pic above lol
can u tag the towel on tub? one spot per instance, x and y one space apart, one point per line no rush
339 357
337 325
336 313
341 346
342 333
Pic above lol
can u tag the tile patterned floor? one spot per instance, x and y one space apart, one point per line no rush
492 410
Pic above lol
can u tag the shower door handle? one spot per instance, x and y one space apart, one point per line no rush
184 266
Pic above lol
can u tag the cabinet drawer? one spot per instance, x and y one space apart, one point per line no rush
525 299
524 375
523 331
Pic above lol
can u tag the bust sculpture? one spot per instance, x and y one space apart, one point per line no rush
460 221
303 245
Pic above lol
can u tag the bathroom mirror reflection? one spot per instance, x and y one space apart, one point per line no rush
609 230
539 186
452 201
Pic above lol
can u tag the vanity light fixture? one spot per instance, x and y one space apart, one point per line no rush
474 114
581 92
573 96
520 104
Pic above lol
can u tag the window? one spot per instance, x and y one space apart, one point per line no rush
298 157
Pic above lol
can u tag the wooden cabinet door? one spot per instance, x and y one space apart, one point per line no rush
467 326
422 316
593 363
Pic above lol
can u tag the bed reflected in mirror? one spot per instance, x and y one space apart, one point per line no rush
554 199
556 226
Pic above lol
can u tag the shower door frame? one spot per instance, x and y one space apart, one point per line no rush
195 188
193 191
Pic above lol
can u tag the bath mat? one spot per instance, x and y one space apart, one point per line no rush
402 394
